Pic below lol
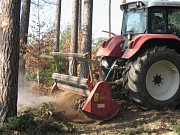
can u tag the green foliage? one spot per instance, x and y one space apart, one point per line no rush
49 70
23 122
176 129
37 122
54 126
99 41
65 36
96 45
58 127
31 76
47 106
46 73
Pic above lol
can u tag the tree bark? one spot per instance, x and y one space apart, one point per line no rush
57 25
9 55
86 35
25 20
74 38
57 40
23 41
79 17
109 18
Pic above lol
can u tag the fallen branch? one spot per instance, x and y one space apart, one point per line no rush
46 113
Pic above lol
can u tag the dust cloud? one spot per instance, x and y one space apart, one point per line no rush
64 104
27 99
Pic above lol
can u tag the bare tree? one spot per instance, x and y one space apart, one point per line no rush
79 26
9 55
57 25
79 17
109 18
39 24
86 35
39 42
23 40
74 38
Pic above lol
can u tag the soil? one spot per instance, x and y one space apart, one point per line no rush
129 121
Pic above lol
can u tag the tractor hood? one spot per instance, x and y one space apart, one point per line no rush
111 47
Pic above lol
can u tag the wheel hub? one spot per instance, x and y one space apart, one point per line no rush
162 80
157 80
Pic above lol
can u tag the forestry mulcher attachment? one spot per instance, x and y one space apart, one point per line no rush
144 61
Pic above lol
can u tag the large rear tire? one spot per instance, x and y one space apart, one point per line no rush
153 78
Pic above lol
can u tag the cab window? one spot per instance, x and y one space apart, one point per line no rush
158 21
174 21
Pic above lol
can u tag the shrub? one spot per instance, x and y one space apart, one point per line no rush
37 122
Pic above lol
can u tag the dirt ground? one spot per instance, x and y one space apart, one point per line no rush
132 121
129 121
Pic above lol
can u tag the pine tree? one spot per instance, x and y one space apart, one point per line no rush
74 38
23 40
86 35
57 25
9 55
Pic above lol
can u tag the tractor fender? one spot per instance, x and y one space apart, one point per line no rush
111 47
135 45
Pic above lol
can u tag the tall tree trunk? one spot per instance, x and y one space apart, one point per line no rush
39 43
9 55
25 20
79 26
57 25
23 41
86 35
109 18
79 17
74 38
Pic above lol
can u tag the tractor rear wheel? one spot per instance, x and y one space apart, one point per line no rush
153 78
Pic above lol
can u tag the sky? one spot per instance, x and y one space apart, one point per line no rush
100 15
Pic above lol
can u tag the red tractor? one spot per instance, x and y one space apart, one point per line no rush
144 60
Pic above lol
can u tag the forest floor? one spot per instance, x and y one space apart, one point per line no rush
134 121
129 121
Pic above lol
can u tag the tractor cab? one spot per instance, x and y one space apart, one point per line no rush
150 17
